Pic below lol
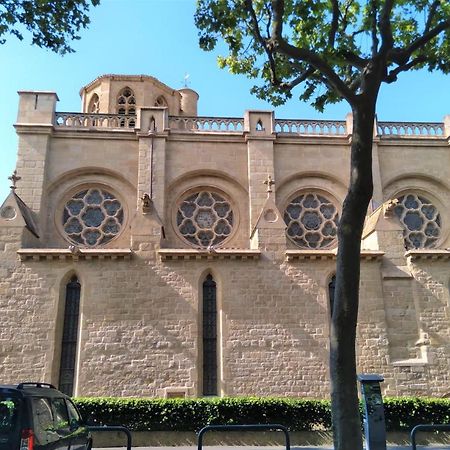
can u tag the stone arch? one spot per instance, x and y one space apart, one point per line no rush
414 179
322 181
71 182
161 102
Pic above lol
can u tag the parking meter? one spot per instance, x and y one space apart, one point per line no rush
374 424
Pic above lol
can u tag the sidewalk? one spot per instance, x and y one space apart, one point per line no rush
250 447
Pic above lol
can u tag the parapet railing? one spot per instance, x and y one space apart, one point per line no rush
236 125
305 127
413 129
86 120
207 124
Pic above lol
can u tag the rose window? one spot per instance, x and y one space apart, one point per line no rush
311 221
205 219
92 217
420 219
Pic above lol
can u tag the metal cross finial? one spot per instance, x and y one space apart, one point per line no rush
14 178
186 79
269 183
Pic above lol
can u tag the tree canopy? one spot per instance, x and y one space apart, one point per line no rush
333 50
326 46
52 23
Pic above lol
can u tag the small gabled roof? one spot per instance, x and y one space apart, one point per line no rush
25 216
382 219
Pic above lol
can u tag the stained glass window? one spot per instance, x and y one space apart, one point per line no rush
209 337
420 219
205 219
331 292
311 221
92 217
69 337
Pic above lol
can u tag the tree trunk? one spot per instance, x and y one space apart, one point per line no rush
344 393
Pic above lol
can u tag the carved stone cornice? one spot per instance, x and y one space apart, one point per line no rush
181 254
324 255
428 255
75 254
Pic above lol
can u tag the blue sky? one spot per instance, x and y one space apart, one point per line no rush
158 38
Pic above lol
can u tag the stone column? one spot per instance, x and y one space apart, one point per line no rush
259 129
152 132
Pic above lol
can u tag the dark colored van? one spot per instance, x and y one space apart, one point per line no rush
36 416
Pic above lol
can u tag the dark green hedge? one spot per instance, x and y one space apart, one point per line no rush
297 414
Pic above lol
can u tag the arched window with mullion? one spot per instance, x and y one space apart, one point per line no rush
69 337
331 292
209 318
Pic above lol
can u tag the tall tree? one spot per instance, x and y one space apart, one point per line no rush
52 23
333 50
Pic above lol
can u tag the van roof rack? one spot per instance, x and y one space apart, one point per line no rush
34 384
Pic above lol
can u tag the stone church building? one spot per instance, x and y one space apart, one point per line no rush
149 251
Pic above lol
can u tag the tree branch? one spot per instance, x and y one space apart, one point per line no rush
387 40
279 45
401 56
375 41
391 77
334 23
298 80
258 36
432 13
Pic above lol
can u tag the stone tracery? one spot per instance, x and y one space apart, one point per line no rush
205 218
311 221
92 217
420 219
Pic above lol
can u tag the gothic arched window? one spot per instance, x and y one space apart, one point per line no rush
209 318
126 105
94 105
331 292
69 337
161 101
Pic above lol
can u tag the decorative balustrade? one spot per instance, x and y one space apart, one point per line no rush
185 124
412 129
206 124
86 120
306 127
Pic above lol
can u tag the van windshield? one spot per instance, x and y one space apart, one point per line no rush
8 415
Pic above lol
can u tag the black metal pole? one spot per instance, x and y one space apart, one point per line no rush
114 428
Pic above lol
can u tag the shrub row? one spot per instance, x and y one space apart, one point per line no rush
142 414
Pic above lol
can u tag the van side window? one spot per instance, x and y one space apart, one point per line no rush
43 420
74 417
61 418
